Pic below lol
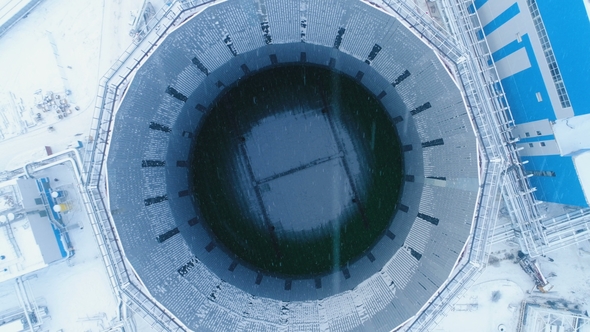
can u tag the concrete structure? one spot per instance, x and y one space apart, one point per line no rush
476 73
418 83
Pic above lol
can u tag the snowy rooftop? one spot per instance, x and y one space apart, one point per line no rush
582 164
19 249
21 252
28 241
571 134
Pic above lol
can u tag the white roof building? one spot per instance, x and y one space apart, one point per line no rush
29 240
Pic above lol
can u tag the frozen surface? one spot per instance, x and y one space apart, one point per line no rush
287 141
299 170
309 198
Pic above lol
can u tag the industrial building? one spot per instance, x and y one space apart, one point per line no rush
34 235
543 72
487 98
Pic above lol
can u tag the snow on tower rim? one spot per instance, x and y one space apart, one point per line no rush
147 179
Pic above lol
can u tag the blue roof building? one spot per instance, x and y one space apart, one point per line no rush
540 51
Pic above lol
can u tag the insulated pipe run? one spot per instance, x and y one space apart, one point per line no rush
23 302
119 309
76 169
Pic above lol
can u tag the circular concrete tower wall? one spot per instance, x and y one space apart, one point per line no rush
163 237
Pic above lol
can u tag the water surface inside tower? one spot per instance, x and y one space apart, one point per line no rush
296 170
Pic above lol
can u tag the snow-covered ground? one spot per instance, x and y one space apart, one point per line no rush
62 45
89 36
497 295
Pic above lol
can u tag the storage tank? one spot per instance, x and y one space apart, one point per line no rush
62 207
58 193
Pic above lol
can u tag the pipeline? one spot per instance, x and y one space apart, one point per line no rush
24 302
53 156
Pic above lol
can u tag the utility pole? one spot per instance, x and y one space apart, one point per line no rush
60 67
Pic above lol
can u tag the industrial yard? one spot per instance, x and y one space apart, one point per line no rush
47 105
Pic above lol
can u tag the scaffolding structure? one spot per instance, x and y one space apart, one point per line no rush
570 228
551 316
490 118
516 189
536 234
